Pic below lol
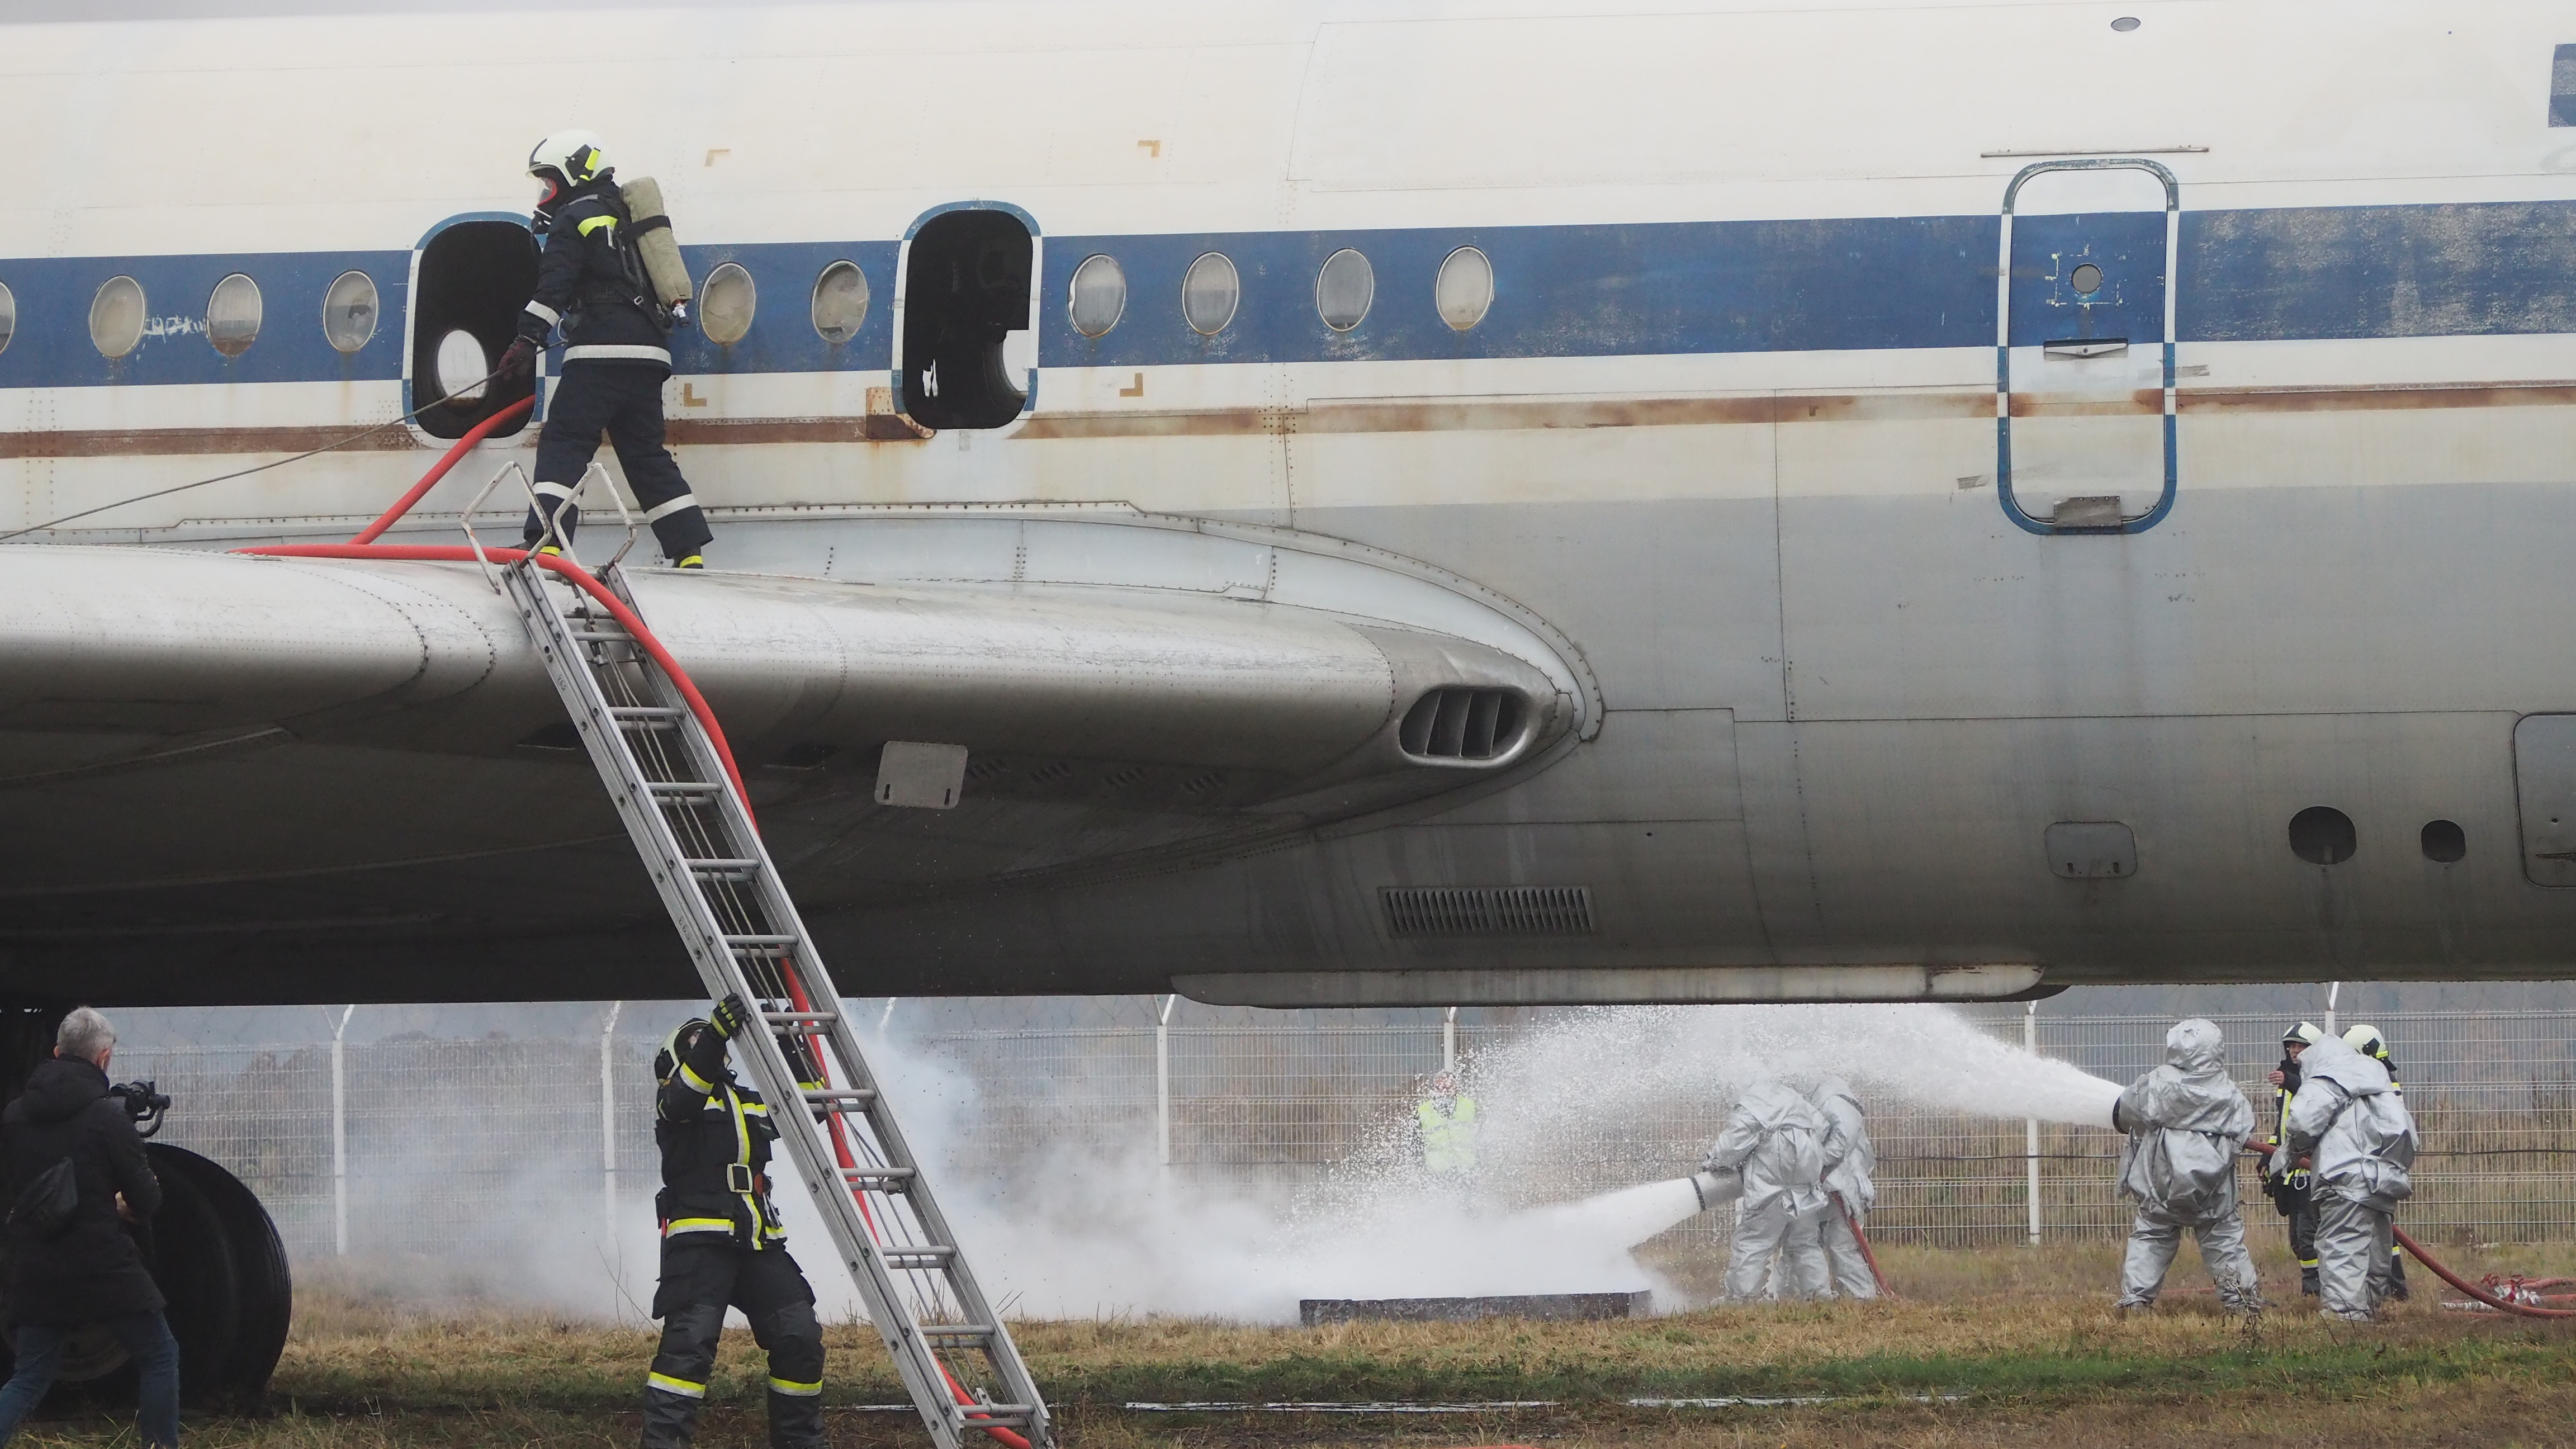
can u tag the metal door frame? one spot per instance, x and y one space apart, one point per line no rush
2003 342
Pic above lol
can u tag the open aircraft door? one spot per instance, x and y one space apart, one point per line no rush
2084 386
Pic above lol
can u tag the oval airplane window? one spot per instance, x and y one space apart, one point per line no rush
1464 290
116 316
726 303
8 316
1099 295
232 315
349 311
463 365
840 302
1210 291
1344 289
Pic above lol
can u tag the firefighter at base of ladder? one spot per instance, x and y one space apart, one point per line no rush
617 354
2284 1180
722 1245
1446 1122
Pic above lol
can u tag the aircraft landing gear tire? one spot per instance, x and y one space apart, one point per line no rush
220 1264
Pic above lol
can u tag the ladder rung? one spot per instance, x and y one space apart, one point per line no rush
648 725
879 1174
605 636
968 1331
760 945
722 865
800 1016
644 711
1006 1415
826 1095
684 787
932 1256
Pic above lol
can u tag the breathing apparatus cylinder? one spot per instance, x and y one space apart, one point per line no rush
663 269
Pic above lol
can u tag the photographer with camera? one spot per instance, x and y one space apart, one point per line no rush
75 1177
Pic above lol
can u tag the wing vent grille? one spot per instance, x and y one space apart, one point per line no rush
1457 723
1488 910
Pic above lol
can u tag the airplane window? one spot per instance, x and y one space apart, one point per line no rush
116 316
1344 289
1465 288
2087 280
2322 835
2445 843
349 311
8 317
2125 24
1209 292
232 315
840 302
462 365
726 303
1099 295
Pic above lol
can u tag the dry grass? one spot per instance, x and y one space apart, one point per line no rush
2027 1341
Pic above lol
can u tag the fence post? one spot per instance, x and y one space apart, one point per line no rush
608 1123
2333 990
1163 1075
1449 1040
2030 1126
340 1135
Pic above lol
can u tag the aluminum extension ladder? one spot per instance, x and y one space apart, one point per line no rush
697 840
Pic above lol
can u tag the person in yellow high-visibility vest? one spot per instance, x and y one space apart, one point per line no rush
1447 1119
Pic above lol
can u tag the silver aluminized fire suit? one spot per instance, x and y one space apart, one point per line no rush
2186 1123
1849 1161
1775 1140
2355 1127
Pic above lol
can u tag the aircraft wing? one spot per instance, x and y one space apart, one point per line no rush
289 766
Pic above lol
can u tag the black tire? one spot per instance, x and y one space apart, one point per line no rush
265 1287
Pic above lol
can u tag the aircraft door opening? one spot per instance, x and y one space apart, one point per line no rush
2084 390
965 303
470 281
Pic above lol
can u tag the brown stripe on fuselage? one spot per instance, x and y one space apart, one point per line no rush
160 442
1424 416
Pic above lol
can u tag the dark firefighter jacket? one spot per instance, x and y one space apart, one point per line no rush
90 1269
591 284
2284 1181
714 1136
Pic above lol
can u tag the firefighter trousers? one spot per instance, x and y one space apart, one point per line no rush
699 1281
623 400
2156 1236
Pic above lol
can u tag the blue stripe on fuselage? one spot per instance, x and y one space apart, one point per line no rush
1560 291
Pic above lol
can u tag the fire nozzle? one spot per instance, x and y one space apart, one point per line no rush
1716 1186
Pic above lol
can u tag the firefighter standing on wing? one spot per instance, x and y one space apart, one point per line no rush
722 1245
616 333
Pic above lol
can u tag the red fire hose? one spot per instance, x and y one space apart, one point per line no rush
438 470
2416 1250
1852 1220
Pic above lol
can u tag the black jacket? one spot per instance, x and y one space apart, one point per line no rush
91 1269
714 1134
591 283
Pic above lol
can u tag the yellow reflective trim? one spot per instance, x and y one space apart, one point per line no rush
742 1146
755 1109
698 1225
802 1391
591 224
696 1083
670 1385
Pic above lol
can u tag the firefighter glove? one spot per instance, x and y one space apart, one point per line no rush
730 1016
519 361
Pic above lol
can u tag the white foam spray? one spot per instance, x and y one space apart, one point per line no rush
1076 1234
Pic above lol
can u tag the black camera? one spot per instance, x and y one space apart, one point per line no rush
144 1103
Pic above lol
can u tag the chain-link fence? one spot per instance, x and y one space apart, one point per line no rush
441 1147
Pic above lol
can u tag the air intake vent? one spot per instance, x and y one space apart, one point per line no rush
1489 911
1463 724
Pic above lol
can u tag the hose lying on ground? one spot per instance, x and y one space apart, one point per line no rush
1852 1220
2501 1305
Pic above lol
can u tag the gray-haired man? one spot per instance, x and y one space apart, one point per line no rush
82 1266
